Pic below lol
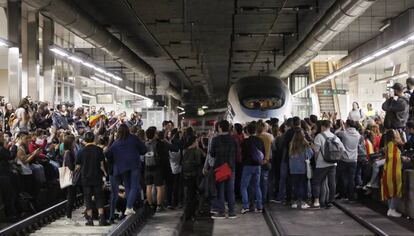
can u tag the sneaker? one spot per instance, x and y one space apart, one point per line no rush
103 221
317 205
70 221
89 221
294 205
213 212
258 210
329 205
232 216
304 206
244 211
170 207
393 213
129 211
159 209
218 216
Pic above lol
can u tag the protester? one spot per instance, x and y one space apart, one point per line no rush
90 163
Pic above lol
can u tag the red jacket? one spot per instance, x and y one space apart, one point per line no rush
33 146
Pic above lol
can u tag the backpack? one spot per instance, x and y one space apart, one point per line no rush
332 152
151 157
190 163
257 155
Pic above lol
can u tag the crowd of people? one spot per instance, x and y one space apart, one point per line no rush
304 163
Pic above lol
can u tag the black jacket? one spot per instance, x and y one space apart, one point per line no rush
397 112
224 149
247 145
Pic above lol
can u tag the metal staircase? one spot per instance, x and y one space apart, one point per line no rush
326 100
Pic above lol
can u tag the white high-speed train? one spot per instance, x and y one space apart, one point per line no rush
258 97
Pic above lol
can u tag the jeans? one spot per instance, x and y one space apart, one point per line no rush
264 183
319 176
132 187
225 189
115 182
282 181
251 175
393 203
70 197
347 177
299 184
375 171
190 193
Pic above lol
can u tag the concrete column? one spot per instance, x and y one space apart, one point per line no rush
410 63
48 61
14 78
14 63
30 53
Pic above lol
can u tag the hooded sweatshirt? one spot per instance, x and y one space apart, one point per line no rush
350 138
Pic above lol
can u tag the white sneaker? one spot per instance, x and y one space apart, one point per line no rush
304 206
244 211
129 211
393 213
70 221
294 205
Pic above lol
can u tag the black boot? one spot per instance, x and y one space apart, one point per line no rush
89 221
103 221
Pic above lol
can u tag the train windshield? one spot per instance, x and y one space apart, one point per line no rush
262 103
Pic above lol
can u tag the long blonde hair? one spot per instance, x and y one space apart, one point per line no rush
298 144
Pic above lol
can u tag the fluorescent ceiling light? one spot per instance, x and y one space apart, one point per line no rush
397 44
181 108
5 43
129 88
367 59
62 52
76 59
381 52
59 52
181 113
204 107
87 95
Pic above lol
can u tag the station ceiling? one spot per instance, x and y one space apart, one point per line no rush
216 42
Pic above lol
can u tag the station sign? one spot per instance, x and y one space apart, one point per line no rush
327 92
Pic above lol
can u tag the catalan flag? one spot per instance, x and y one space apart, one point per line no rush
391 181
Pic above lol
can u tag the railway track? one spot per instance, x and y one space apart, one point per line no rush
129 225
380 226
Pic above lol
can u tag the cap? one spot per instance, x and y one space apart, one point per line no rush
410 81
398 87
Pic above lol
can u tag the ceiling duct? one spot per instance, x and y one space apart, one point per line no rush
70 16
336 19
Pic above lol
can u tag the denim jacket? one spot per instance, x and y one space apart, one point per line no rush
297 162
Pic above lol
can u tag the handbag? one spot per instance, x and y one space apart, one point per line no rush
222 173
65 176
76 175
309 171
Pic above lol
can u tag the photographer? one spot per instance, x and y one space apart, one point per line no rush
396 108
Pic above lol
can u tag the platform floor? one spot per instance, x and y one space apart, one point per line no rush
58 227
386 224
166 223
246 224
321 222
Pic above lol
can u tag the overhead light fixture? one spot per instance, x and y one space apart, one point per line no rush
397 44
73 57
106 82
181 113
361 61
129 88
402 75
385 25
5 43
204 107
181 108
87 95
